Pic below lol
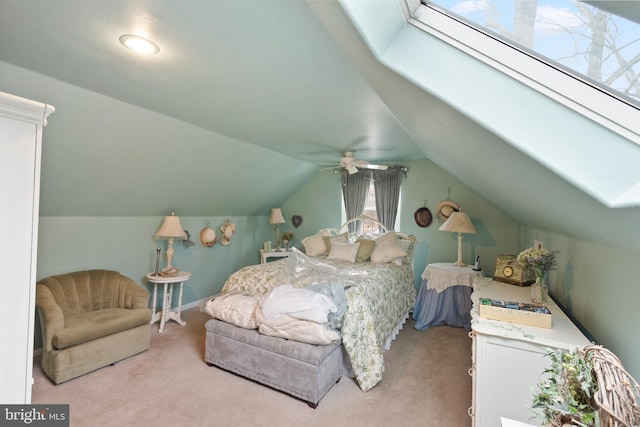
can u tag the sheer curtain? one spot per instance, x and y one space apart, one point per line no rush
387 188
355 188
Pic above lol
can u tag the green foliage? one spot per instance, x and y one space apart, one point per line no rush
538 261
567 396
287 235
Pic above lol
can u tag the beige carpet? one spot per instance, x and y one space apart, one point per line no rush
425 384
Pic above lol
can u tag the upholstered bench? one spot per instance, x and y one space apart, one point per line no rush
306 371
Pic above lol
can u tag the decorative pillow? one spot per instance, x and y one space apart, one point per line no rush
329 240
365 249
387 248
314 245
344 251
407 245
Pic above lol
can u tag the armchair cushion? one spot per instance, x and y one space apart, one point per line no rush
88 326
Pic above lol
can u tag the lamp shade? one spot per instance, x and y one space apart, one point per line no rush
276 216
458 222
171 228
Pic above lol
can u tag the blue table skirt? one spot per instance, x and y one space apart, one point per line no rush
450 307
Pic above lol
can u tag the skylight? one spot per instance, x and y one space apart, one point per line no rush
582 56
601 48
577 130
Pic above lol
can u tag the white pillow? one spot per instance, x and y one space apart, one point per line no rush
330 240
235 308
314 245
341 238
387 248
406 245
344 251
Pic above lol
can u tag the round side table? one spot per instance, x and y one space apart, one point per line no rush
166 312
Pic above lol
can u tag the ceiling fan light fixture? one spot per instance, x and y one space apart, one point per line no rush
352 165
139 44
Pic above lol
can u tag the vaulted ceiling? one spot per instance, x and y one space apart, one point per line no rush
240 91
264 72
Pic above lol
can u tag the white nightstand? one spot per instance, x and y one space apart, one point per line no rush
273 254
166 312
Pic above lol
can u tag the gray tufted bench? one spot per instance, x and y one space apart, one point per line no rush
306 371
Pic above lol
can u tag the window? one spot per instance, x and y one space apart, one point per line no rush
370 210
572 36
579 55
359 196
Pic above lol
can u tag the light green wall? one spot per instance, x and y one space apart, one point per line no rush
318 201
598 284
104 157
127 245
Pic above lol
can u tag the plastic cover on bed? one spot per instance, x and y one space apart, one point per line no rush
305 271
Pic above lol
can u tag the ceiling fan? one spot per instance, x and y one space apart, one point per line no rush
351 164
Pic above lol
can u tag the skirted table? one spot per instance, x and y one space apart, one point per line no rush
444 297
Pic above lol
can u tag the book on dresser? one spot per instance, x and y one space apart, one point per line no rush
515 312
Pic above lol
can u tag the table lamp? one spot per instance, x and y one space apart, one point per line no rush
171 229
276 218
458 222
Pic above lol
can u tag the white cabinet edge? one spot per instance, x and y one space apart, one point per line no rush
24 110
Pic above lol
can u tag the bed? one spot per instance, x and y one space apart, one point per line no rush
379 291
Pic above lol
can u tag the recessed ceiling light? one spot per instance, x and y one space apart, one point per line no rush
139 44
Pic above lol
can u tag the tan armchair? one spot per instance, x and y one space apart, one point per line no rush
90 319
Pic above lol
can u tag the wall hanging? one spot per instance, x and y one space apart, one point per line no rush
228 228
296 220
423 216
187 243
208 237
445 208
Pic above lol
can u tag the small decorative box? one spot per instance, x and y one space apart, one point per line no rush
516 312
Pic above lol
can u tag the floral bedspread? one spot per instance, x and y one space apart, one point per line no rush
378 295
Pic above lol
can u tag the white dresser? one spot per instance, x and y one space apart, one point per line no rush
508 359
21 123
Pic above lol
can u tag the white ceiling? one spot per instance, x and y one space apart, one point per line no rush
264 72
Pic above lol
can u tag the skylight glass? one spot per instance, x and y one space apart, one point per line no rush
601 48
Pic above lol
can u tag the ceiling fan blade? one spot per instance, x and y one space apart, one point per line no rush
377 167
351 169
